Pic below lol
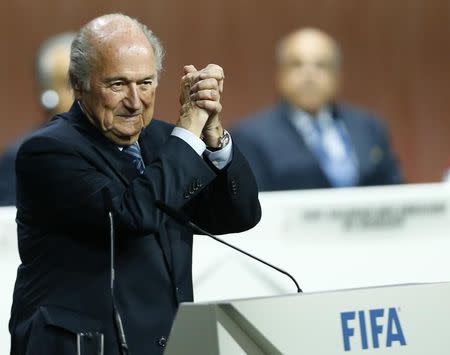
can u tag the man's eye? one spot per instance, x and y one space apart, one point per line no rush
117 85
147 84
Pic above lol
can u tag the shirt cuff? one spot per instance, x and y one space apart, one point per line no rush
190 138
221 158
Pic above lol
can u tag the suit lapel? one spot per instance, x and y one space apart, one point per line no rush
119 164
122 168
108 151
147 145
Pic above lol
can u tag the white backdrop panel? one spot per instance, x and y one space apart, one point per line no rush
328 239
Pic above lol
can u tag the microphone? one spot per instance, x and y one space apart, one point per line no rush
182 219
117 318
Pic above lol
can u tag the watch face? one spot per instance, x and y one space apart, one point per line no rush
225 139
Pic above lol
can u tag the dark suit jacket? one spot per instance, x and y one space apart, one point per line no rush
8 175
281 160
62 285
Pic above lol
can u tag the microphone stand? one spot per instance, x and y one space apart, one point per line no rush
117 318
184 220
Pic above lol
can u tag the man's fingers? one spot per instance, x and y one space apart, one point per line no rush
205 74
210 106
206 84
213 71
190 75
203 87
189 69
212 95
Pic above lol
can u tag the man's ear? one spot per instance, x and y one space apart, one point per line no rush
77 91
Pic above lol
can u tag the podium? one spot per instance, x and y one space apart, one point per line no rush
403 319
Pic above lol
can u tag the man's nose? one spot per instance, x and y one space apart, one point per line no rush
132 100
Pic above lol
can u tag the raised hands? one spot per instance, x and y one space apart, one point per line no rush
200 102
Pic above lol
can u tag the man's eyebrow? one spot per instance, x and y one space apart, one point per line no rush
124 79
149 77
116 78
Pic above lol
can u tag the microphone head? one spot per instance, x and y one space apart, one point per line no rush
172 212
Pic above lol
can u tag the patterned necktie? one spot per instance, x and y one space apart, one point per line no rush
134 153
340 168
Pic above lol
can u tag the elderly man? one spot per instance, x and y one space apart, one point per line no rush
308 140
107 154
52 63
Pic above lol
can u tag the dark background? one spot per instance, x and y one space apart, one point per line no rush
396 58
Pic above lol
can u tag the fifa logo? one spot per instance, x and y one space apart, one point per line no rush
373 328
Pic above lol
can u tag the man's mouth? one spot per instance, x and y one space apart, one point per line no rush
130 117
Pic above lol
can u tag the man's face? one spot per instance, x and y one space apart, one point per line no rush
60 63
308 71
123 84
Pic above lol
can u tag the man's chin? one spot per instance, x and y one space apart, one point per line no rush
310 107
122 139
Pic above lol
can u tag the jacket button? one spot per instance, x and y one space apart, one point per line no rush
162 342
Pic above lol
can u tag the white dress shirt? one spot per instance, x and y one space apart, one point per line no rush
220 158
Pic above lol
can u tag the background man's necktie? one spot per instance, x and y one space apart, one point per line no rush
134 153
334 152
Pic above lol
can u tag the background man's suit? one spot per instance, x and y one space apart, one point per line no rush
62 171
281 160
8 175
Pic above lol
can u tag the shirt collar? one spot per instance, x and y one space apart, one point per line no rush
324 115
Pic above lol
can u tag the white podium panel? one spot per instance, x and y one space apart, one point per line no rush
333 239
408 319
328 239
9 262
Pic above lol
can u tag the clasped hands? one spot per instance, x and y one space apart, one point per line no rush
200 103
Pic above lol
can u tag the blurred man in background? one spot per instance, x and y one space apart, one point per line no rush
308 140
52 64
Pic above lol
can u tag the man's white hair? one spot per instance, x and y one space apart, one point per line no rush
83 51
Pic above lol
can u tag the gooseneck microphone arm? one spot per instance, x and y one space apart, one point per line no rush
184 220
117 318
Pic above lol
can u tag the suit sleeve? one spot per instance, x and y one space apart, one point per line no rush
234 197
8 178
59 187
388 172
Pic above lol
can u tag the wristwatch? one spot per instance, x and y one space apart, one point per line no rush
223 141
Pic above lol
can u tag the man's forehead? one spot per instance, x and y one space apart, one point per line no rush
125 58
113 29
122 43
110 25
118 37
308 42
